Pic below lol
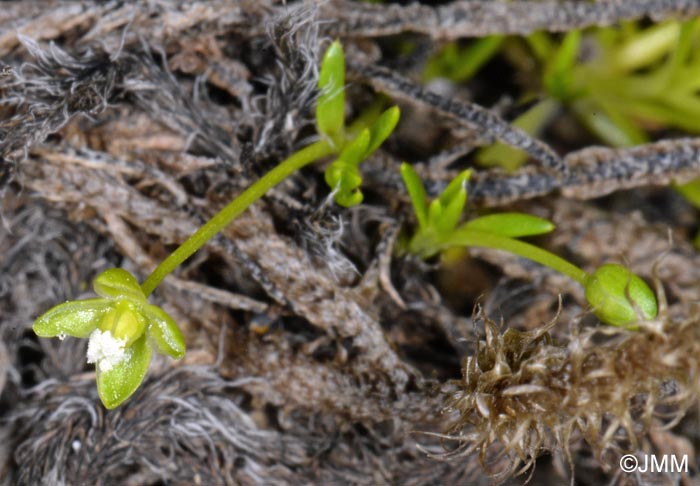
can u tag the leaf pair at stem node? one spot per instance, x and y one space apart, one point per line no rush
343 175
617 296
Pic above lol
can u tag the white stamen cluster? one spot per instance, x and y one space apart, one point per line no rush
105 350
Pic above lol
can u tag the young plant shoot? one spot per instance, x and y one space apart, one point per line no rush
123 328
633 81
617 296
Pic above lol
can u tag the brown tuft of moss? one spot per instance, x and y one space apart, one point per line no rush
522 394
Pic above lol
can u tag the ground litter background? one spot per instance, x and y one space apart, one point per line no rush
317 355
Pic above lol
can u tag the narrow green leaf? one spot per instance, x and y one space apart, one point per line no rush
684 46
77 318
512 225
451 212
382 128
471 59
648 46
558 77
566 55
164 334
541 44
416 192
120 382
116 283
606 122
354 152
468 237
455 186
458 64
330 107
434 213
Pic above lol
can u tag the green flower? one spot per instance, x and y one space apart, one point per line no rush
123 329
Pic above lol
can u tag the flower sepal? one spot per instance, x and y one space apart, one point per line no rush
116 384
76 318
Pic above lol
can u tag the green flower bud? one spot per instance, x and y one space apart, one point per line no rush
619 297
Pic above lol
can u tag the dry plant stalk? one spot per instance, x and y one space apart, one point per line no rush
479 18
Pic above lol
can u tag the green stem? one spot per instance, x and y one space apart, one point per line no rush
489 240
290 165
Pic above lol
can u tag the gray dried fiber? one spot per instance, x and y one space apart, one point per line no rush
479 18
